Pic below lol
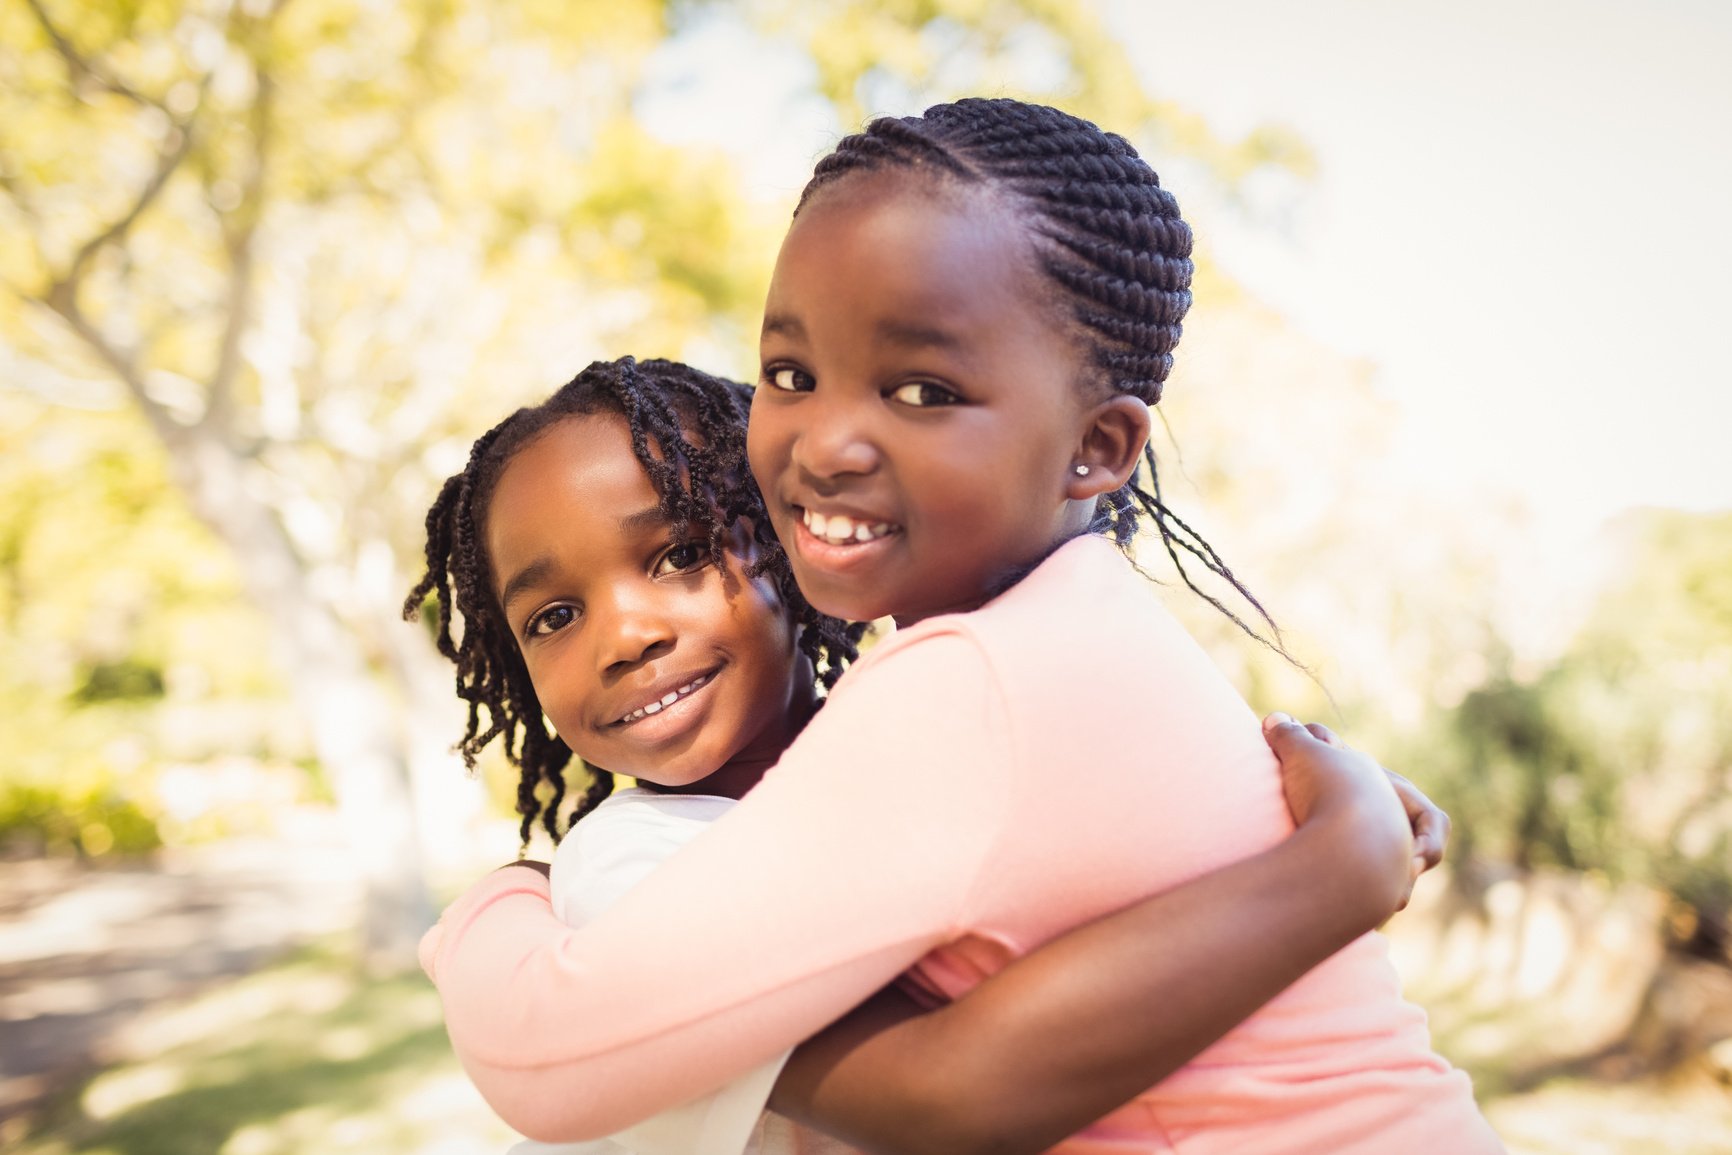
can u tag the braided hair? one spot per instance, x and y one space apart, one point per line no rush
1113 248
688 431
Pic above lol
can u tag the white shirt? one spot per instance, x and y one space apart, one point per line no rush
609 851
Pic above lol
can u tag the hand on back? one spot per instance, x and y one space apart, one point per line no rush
1398 830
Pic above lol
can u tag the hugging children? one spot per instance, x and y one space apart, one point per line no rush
968 321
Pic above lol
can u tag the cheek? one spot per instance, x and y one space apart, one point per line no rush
555 690
769 630
769 622
971 485
768 436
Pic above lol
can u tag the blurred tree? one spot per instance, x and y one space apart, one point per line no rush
109 592
1617 756
318 244
877 57
288 232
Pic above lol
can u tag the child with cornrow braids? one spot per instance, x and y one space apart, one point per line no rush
968 320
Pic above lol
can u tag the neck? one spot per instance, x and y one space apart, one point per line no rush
1074 524
734 780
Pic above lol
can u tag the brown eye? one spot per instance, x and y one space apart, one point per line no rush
789 379
924 394
688 555
550 621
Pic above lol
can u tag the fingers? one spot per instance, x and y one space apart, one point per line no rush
1430 836
1279 727
1324 734
1286 725
1430 823
1276 720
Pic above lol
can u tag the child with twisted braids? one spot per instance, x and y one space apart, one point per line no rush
618 516
969 318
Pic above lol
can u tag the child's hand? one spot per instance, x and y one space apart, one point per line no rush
1327 781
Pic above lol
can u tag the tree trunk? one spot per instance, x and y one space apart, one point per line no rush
352 720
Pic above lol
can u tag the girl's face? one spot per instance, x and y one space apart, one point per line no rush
915 427
648 660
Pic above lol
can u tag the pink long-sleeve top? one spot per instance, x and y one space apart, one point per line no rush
978 784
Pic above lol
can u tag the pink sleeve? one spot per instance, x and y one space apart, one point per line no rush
857 854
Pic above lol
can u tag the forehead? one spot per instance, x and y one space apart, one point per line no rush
902 247
565 487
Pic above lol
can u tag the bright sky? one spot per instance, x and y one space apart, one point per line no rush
1520 213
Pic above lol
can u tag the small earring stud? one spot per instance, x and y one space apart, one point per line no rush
1082 471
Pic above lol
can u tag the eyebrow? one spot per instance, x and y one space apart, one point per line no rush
912 334
650 518
539 569
783 325
524 578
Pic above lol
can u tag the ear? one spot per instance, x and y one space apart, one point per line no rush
1113 437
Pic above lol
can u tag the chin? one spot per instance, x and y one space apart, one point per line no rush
849 608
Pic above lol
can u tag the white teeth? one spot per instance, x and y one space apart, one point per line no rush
840 529
665 700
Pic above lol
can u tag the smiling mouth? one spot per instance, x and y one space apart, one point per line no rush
840 529
650 709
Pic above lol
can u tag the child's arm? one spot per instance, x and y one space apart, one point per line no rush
877 839
1075 1029
814 892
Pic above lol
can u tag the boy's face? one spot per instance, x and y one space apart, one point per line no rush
648 660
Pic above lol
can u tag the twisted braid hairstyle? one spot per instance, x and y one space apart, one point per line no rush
688 431
1109 240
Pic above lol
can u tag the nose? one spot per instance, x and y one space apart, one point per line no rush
630 629
837 437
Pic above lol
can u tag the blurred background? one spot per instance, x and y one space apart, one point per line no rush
1451 400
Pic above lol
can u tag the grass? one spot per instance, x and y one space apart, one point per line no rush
304 1056
1685 1114
307 1057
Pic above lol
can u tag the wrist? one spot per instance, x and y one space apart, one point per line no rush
1361 858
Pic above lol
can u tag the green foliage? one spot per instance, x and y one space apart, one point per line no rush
874 57
1618 756
91 819
124 644
125 680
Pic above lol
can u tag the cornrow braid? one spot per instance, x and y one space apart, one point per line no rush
688 431
1113 248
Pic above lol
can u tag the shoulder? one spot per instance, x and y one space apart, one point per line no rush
620 841
1086 576
944 655
637 812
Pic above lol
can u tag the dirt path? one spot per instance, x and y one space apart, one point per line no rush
85 949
